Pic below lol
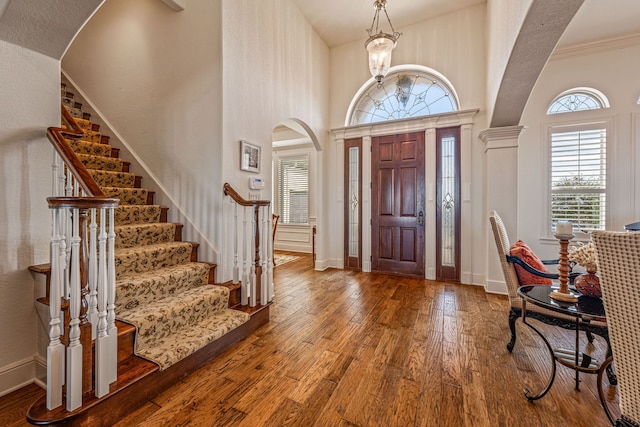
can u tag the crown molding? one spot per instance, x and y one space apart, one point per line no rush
621 42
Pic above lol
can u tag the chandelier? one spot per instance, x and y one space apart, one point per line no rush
380 44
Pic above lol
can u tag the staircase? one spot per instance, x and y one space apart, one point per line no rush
171 317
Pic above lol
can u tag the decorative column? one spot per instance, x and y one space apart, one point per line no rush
500 192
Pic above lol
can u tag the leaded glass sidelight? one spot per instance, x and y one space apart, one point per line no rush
353 202
448 201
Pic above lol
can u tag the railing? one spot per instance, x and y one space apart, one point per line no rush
257 249
82 278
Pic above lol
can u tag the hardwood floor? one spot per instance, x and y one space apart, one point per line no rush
355 349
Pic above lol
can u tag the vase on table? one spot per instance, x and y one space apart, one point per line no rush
588 284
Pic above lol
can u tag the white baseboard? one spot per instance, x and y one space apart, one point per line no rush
17 375
495 287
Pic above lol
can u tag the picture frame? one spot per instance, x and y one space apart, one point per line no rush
250 157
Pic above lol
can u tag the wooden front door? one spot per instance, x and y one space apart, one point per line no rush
397 204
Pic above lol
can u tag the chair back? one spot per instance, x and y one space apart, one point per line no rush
618 258
504 247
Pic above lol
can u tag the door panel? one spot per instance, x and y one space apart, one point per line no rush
397 192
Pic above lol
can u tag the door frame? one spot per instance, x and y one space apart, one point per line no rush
427 124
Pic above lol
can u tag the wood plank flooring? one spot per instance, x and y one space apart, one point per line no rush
355 349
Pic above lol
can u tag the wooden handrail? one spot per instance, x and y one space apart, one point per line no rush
229 191
82 202
57 137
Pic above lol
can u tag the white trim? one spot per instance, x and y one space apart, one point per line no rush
607 123
622 42
17 375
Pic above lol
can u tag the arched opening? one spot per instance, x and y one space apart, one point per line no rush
295 169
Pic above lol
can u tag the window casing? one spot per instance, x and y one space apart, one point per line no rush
578 176
293 189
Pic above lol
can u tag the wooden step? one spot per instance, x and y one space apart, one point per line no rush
115 152
126 166
234 293
138 182
150 197
104 139
139 381
95 127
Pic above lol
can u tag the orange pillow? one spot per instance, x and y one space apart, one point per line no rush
524 252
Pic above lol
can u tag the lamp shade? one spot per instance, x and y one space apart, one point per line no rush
379 48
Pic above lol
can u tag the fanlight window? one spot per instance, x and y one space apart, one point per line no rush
578 99
403 94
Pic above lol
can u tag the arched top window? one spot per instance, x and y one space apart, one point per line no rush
578 99
406 91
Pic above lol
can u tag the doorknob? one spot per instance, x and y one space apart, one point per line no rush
421 218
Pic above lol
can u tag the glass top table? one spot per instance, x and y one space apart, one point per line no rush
580 316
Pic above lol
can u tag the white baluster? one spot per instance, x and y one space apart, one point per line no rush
102 341
252 292
263 258
244 289
93 275
236 271
55 349
112 330
270 287
55 170
74 351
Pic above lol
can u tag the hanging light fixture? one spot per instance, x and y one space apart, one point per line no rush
380 44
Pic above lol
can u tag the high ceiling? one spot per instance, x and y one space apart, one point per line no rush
342 21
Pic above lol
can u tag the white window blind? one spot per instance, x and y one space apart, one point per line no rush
578 177
293 190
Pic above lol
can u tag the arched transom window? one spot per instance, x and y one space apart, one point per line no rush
578 99
404 93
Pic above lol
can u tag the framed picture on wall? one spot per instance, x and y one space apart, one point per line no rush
249 157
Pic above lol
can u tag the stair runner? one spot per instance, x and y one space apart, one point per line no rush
158 288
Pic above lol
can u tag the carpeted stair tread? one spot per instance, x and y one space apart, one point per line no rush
101 162
84 147
127 196
150 257
144 288
137 214
144 234
85 125
113 179
171 349
92 136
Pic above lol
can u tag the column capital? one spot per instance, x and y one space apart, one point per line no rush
502 137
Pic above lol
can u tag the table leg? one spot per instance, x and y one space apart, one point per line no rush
577 348
527 392
605 368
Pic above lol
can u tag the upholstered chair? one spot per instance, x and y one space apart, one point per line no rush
618 257
508 263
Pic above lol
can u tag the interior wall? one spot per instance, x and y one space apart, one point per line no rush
156 75
611 68
31 103
275 68
452 44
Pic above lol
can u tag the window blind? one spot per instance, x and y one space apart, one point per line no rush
293 190
578 178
